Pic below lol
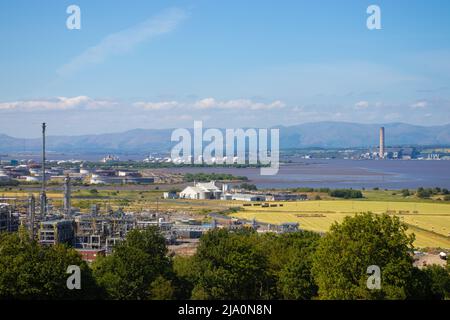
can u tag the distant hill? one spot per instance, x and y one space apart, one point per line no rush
345 134
319 134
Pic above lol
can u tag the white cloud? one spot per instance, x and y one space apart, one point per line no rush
87 103
211 104
59 103
125 40
419 104
173 112
165 105
362 105
206 103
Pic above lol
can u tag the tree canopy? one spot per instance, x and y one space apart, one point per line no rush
128 273
31 271
348 249
231 264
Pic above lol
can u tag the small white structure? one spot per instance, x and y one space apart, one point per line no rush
33 178
85 171
100 179
170 195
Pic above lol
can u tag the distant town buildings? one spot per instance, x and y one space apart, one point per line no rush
32 173
110 159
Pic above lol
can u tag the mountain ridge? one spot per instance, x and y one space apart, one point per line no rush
325 134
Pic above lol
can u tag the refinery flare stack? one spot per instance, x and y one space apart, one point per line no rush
43 197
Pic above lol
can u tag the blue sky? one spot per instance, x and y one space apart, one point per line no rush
160 64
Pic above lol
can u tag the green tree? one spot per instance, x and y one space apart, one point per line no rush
162 289
439 279
31 271
289 259
296 281
134 265
186 273
405 193
348 249
346 193
248 186
230 267
246 265
423 193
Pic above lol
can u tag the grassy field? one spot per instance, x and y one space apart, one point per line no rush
129 200
430 222
429 219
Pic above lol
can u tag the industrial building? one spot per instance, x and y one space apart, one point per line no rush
288 227
170 195
247 197
9 221
119 177
90 255
210 190
190 231
53 232
202 191
4 177
101 232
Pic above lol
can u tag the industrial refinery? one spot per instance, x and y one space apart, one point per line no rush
92 234
96 232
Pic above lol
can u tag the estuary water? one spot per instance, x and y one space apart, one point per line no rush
356 174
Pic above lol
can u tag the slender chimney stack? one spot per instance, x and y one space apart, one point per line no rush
43 198
67 195
31 214
382 150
